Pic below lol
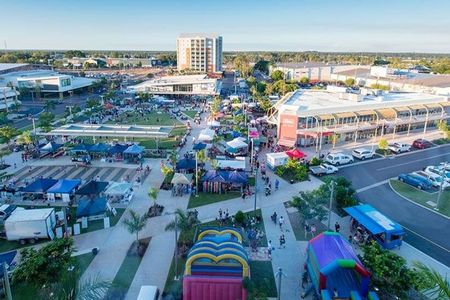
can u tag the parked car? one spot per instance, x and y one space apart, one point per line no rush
415 180
436 172
422 144
399 147
323 169
338 158
435 181
363 153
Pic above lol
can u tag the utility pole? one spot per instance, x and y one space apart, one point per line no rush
6 284
279 274
444 168
333 183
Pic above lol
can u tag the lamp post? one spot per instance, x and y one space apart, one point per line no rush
333 183
444 168
176 247
256 190
196 173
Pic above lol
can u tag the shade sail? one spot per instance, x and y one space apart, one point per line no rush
179 178
51 147
40 185
295 153
134 149
92 188
64 186
118 188
88 207
373 220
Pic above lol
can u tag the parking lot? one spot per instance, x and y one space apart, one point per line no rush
426 230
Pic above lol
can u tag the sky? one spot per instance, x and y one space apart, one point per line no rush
275 25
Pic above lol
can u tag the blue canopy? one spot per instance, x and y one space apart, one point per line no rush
237 177
373 220
88 208
99 148
134 149
7 258
92 188
185 164
118 148
215 176
40 185
64 186
51 147
199 146
82 147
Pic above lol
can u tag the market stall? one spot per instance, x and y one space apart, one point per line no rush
206 135
92 208
181 184
295 154
117 150
276 159
63 190
119 192
134 154
38 188
92 189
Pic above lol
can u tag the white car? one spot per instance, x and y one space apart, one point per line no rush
399 147
338 158
436 172
363 153
435 181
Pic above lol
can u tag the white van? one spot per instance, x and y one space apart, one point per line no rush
148 292
338 158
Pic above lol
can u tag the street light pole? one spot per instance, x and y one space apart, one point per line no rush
256 190
279 274
441 186
176 247
333 183
196 174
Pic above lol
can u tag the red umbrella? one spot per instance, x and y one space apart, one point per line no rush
295 154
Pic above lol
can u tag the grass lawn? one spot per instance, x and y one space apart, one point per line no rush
299 230
152 118
263 278
190 113
208 198
125 275
28 292
422 197
251 181
174 287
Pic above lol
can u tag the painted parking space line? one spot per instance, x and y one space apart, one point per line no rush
411 161
363 189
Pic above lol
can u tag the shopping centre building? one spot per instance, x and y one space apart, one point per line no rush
338 115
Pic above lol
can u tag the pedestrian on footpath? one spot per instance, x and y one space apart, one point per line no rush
281 222
282 241
269 249
337 227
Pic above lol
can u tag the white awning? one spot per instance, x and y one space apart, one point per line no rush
206 135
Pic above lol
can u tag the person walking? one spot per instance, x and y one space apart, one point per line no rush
337 227
269 249
277 184
281 222
282 241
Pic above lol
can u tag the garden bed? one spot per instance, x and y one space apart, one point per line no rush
441 141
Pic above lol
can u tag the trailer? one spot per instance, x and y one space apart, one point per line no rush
31 225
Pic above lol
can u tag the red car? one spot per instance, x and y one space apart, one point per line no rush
421 144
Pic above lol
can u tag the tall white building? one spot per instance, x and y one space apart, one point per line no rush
200 52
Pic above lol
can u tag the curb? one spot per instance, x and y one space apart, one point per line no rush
418 204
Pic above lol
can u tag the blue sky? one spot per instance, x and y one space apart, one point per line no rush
322 25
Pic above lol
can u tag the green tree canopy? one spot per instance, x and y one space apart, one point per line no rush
215 106
310 205
135 223
45 120
7 133
350 82
277 75
242 64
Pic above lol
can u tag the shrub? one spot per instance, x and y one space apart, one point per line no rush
293 170
239 217
315 161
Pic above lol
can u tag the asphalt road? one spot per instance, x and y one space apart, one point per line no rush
426 230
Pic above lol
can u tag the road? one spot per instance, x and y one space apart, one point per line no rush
426 230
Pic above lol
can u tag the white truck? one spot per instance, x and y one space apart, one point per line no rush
30 225
323 169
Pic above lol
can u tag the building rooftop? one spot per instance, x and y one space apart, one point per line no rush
7 66
183 79
312 102
306 64
199 35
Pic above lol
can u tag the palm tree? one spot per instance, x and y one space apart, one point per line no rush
153 193
49 105
135 223
185 221
436 286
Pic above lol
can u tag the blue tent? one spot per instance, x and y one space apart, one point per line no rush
237 177
185 164
199 146
7 258
51 147
92 188
99 148
81 148
215 176
64 186
40 185
88 208
117 148
385 231
134 149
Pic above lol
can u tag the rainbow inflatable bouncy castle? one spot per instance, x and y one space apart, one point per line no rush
332 265
216 266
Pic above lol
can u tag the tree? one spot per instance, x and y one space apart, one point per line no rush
92 103
293 169
143 96
378 86
45 121
445 128
383 145
135 223
304 80
7 133
389 271
434 286
25 138
343 192
45 265
215 106
185 222
310 205
277 75
153 193
49 105
262 66
350 82
242 64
